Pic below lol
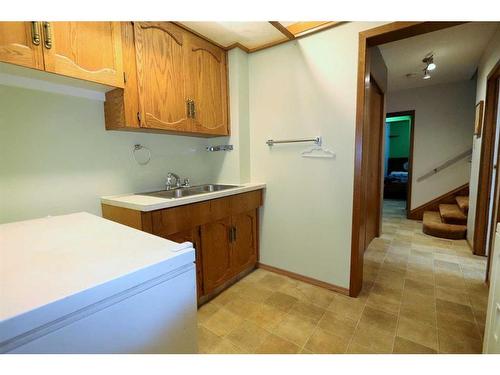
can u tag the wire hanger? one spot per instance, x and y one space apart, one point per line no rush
318 151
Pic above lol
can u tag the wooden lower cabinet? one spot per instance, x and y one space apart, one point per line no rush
244 241
224 233
216 240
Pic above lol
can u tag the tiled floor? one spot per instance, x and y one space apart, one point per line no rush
420 295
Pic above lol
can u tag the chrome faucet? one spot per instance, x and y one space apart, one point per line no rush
169 184
171 176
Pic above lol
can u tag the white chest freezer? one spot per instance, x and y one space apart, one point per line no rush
81 284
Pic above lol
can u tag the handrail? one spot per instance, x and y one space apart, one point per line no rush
445 165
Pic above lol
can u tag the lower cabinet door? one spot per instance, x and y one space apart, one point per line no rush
215 240
244 245
192 235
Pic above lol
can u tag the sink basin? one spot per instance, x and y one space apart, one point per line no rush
188 191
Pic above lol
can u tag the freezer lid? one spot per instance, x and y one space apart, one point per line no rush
54 266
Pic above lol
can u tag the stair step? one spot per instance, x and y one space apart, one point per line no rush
433 226
463 203
451 214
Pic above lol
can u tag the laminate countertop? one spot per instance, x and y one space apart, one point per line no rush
147 203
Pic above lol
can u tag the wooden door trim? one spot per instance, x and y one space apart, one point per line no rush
410 113
379 157
378 35
486 168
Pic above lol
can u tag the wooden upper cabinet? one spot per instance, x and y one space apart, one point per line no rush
90 51
21 44
207 82
161 71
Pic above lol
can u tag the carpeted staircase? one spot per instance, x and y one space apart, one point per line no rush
450 221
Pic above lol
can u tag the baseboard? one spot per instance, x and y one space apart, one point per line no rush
433 205
305 279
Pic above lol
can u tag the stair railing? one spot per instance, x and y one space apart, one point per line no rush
445 165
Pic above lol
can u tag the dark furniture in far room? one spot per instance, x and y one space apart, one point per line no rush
396 179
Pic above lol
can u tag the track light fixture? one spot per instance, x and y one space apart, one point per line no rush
429 65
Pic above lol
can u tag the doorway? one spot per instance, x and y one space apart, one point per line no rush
398 156
372 37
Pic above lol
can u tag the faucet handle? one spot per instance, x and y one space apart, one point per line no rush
186 182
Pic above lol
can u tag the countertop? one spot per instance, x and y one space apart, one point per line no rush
148 203
46 260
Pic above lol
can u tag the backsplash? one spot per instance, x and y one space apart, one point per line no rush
56 157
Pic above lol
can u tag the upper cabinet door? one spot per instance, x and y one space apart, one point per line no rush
20 44
161 71
207 86
86 50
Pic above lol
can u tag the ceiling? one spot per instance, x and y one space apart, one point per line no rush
456 50
253 36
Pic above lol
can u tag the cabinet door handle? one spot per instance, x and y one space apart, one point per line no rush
47 32
230 234
234 233
35 33
193 109
188 108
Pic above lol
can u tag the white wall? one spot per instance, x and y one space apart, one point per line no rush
306 88
444 124
488 60
56 157
235 165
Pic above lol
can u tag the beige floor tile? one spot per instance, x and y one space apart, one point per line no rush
316 295
355 348
403 346
242 307
277 345
206 311
307 310
273 281
337 324
418 287
422 312
454 309
207 340
226 347
379 319
267 317
456 327
384 298
347 306
281 301
322 341
247 336
375 340
452 295
418 332
255 293
222 322
450 344
296 329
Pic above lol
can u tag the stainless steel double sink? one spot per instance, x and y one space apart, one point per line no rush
188 191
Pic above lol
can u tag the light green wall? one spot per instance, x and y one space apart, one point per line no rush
399 136
56 157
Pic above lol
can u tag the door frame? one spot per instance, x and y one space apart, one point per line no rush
410 113
379 180
486 165
368 38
